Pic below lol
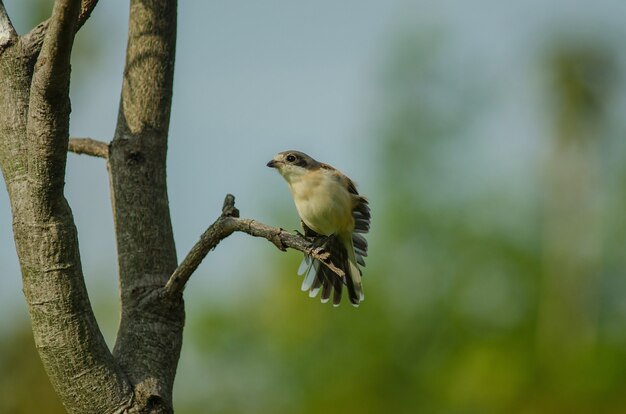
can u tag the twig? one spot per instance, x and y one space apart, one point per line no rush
228 223
89 146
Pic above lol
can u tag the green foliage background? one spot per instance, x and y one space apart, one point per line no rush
499 298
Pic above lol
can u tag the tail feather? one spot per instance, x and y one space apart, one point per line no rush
309 273
305 266
315 288
326 289
318 277
354 275
337 291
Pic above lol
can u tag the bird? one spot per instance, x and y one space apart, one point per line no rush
335 216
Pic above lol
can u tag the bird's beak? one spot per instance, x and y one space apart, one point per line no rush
272 164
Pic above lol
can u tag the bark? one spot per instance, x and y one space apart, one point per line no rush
34 124
7 31
150 334
88 146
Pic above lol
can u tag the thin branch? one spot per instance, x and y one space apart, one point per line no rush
89 146
228 223
33 40
7 31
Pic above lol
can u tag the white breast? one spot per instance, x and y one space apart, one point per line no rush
323 203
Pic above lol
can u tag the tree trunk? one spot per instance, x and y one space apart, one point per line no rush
34 127
150 335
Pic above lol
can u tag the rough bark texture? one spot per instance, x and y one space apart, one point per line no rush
150 333
34 124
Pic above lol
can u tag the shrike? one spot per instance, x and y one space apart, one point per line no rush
331 210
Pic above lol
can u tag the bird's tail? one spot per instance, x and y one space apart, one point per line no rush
353 277
318 277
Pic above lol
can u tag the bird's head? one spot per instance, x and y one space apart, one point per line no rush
293 164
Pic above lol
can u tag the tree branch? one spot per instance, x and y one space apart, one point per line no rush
89 146
67 335
228 223
7 31
33 40
49 107
86 7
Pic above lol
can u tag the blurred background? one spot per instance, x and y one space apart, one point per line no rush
489 138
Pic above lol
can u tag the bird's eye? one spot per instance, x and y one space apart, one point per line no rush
291 158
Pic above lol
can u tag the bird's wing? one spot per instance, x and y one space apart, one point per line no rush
362 216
